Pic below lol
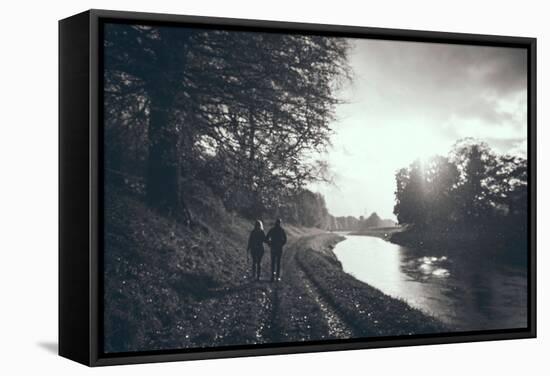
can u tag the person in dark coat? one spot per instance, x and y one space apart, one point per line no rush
276 238
256 248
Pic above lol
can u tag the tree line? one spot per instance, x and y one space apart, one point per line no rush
243 112
472 189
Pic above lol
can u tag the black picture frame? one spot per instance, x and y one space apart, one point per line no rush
81 180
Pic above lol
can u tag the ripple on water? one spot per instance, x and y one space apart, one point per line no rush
441 272
431 265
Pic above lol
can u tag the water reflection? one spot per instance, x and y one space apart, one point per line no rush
469 293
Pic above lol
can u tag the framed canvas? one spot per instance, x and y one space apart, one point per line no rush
237 187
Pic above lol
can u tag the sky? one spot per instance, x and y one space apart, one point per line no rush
411 100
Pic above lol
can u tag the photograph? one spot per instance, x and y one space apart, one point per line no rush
273 187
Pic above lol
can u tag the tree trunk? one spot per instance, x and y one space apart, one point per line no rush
162 186
163 170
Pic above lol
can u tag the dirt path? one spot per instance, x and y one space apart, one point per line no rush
254 312
337 326
300 311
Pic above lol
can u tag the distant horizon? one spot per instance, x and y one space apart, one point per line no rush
410 100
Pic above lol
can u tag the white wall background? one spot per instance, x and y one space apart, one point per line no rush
28 192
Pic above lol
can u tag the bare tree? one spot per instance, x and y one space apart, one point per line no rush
253 105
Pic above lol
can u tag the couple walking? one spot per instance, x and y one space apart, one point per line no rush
276 238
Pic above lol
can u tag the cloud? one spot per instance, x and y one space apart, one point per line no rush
445 79
492 112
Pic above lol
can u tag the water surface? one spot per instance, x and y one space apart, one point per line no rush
467 293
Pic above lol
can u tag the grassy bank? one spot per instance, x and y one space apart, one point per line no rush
369 311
